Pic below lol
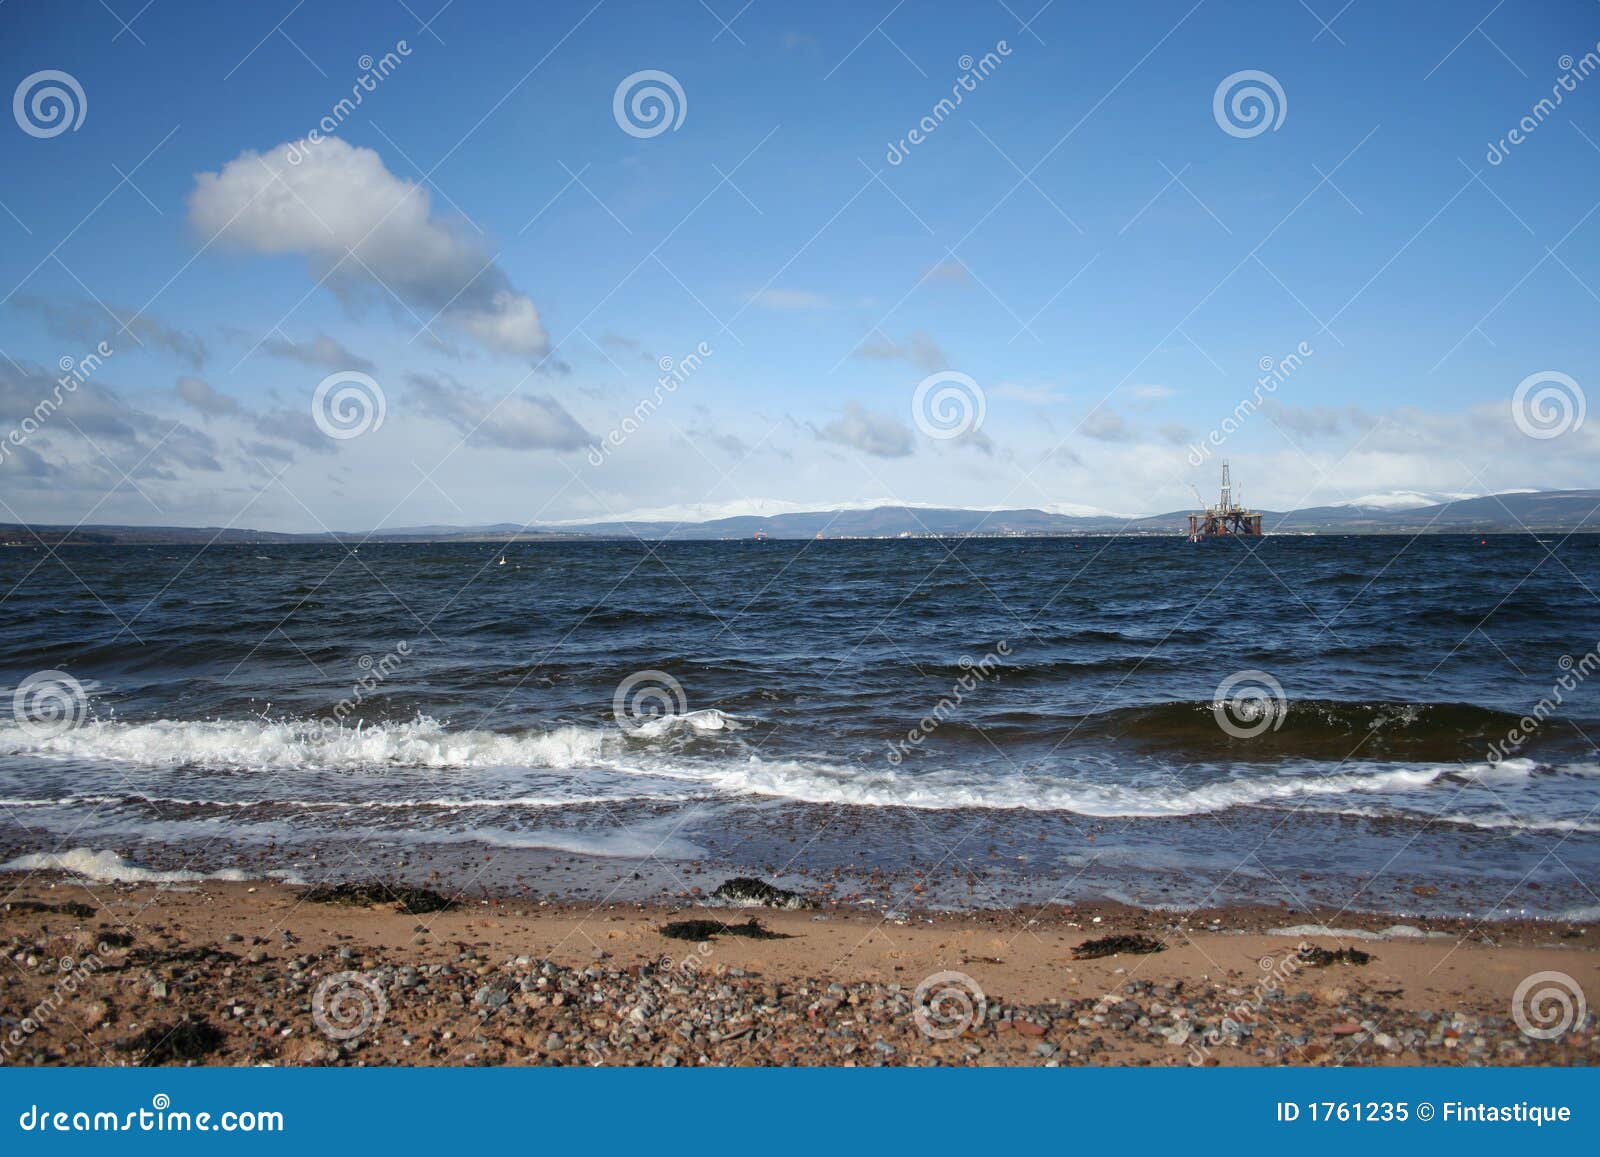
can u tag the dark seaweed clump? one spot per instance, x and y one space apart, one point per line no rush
749 890
710 929
188 1040
1323 957
1116 945
417 901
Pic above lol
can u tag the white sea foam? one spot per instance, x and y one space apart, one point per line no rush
606 765
1393 932
108 867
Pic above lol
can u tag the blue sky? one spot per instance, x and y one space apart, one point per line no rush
1081 238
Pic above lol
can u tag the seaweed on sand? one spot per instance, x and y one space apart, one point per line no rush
188 1040
417 901
709 929
1116 945
1322 957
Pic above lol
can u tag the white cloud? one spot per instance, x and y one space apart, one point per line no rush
199 394
919 349
875 434
322 351
370 233
516 423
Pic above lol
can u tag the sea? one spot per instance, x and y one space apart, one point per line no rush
1374 723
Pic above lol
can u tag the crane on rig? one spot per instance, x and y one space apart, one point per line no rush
1227 519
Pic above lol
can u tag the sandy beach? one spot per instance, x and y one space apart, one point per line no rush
259 973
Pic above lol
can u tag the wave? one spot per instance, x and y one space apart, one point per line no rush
422 742
109 867
701 753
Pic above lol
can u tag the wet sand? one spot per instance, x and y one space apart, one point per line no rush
236 973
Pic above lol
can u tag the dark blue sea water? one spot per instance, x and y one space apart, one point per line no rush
1323 719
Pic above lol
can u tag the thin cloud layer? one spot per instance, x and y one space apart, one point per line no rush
370 234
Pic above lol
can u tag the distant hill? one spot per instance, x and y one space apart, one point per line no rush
1542 512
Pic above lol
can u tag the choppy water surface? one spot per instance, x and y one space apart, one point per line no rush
995 720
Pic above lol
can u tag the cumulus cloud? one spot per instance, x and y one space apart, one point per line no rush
199 394
919 349
371 234
321 351
875 434
516 423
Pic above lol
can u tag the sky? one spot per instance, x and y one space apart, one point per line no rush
573 262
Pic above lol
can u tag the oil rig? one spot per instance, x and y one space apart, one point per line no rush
1226 519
